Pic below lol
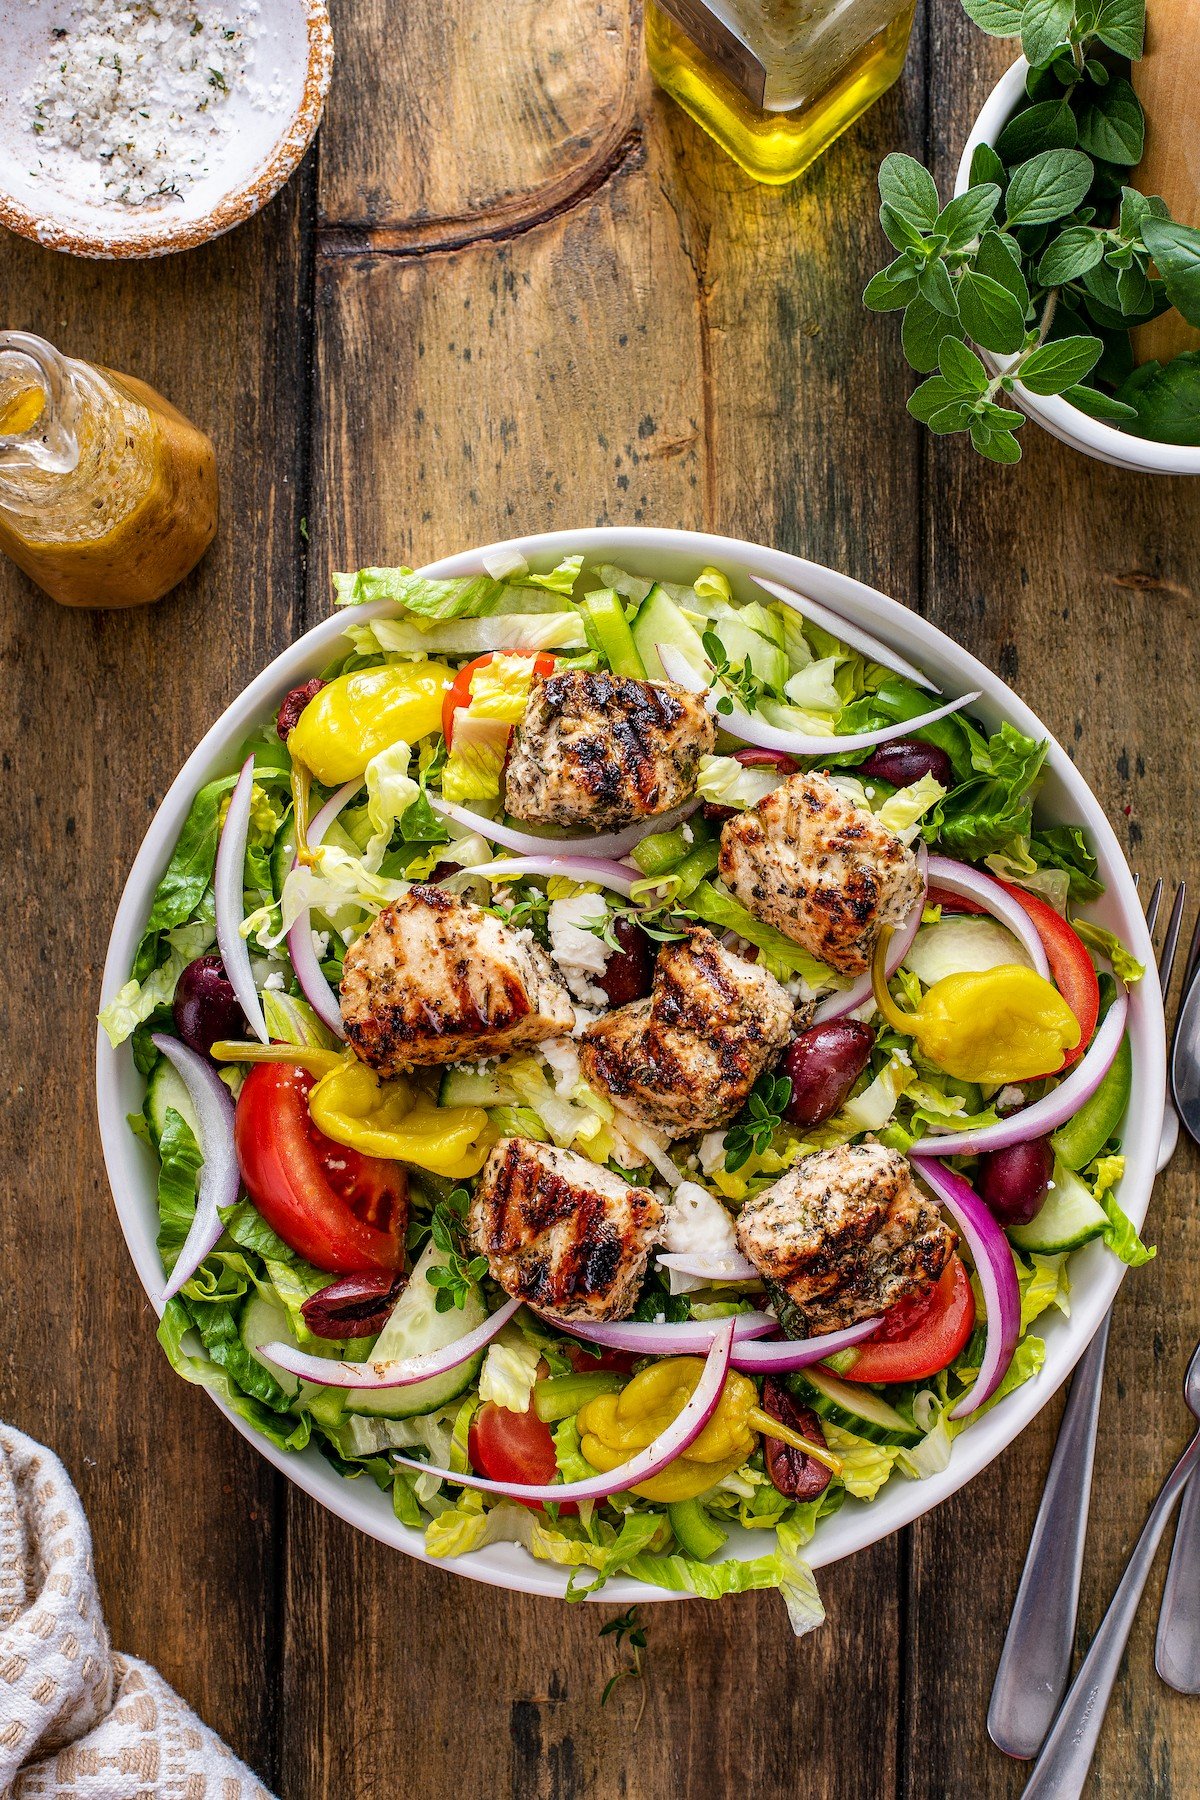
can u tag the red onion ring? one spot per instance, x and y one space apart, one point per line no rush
229 901
961 879
997 1272
1052 1110
799 1353
583 869
753 730
854 635
219 1175
305 961
402 1373
528 843
689 1337
846 1000
733 1266
669 1444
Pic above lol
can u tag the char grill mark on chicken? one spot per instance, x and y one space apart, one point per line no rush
561 1233
824 872
603 750
844 1235
685 1059
436 979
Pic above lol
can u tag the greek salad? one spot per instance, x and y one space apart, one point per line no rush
624 1060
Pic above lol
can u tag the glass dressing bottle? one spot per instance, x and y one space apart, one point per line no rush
108 496
776 81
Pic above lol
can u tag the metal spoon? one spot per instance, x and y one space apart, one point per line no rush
1185 1062
1062 1768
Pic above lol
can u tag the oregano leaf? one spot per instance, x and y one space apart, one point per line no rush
1112 124
1099 405
996 259
899 230
961 367
1167 399
999 18
1045 27
986 166
936 286
1048 187
990 314
922 333
966 216
1049 125
997 446
931 397
1052 368
955 417
909 190
1176 252
1071 254
1121 24
893 287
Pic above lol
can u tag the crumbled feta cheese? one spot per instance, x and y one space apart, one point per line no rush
563 1059
584 1016
579 952
320 942
1009 1099
688 835
712 1151
698 1225
275 982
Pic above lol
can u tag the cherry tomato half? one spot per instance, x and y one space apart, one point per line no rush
922 1335
459 693
618 1362
341 1211
1072 968
513 1447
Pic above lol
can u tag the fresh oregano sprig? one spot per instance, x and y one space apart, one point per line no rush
457 1276
1049 257
758 1121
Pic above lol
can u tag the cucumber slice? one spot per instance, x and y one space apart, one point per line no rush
856 1409
699 1535
607 629
468 1087
1069 1217
263 1322
415 1327
959 944
660 621
165 1089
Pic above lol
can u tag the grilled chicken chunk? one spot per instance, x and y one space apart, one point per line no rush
843 1235
603 750
561 1233
824 872
685 1059
436 979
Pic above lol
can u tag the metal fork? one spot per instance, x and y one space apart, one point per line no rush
1035 1664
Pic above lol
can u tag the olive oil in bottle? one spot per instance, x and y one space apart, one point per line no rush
776 81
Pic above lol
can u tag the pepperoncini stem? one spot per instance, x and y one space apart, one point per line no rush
301 801
766 1426
305 1056
900 1021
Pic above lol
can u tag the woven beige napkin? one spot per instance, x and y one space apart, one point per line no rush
76 1719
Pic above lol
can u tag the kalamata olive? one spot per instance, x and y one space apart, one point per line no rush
905 761
354 1306
797 1476
823 1064
629 971
294 704
206 1007
1013 1183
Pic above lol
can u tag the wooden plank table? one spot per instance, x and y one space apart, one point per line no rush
513 288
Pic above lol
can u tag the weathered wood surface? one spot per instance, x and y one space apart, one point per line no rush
515 289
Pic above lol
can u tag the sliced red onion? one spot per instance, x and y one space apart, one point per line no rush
229 901
961 879
219 1176
1048 1113
847 1000
583 869
753 730
648 1144
528 843
305 961
732 1266
402 1373
669 1444
854 635
689 1337
997 1272
799 1353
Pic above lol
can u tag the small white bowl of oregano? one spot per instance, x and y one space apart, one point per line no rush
1021 292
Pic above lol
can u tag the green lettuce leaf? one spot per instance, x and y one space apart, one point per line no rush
1125 965
782 1569
286 1432
1121 1234
179 1167
716 906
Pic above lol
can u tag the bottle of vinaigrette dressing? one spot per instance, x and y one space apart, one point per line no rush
775 81
108 496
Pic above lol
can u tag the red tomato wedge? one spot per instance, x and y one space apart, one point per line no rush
920 1336
340 1210
514 1447
1072 968
459 693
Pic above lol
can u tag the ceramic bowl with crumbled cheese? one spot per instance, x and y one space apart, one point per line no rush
131 129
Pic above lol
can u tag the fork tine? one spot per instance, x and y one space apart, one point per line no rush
1170 943
1153 904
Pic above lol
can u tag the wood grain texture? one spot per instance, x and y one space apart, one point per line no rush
528 293
102 709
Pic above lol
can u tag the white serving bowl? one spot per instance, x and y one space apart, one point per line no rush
1051 411
293 63
673 556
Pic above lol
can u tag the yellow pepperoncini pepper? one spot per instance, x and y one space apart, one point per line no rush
353 1106
992 1025
354 717
615 1427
